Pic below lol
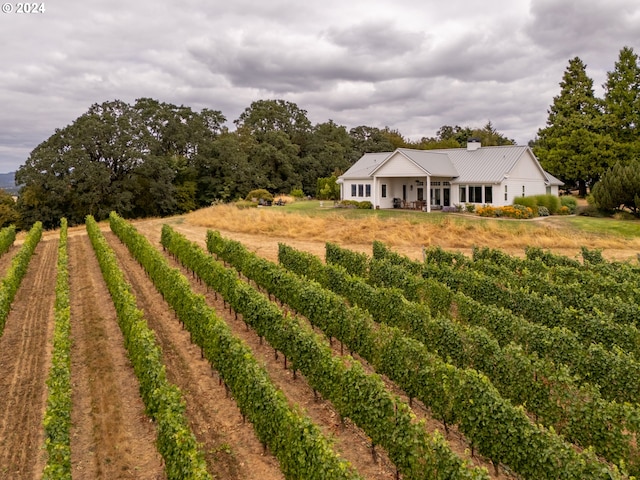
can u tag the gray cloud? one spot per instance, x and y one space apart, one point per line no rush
407 64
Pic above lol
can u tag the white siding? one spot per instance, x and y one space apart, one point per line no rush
360 190
399 166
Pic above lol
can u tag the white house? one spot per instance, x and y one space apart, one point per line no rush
432 179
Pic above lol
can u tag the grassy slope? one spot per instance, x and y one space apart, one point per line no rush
309 221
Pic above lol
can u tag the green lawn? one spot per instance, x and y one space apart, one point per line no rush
604 226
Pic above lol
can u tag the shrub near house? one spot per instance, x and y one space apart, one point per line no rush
510 211
532 206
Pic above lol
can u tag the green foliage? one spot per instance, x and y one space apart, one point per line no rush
117 156
7 237
464 397
259 194
363 205
570 202
530 202
163 400
361 397
57 417
550 202
302 450
297 193
622 105
457 136
619 188
573 145
510 211
8 211
328 189
547 390
543 211
355 263
18 268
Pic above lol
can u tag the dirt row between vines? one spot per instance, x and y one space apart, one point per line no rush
24 363
352 443
111 437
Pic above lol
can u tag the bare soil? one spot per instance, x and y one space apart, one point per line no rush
24 362
232 449
350 441
111 437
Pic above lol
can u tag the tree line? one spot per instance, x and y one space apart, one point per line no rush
585 137
152 158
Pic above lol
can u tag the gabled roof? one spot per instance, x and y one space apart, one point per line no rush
434 163
483 165
553 180
364 167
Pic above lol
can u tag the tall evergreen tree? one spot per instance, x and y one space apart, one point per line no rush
573 146
619 188
622 105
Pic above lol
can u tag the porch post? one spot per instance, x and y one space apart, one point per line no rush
428 193
375 193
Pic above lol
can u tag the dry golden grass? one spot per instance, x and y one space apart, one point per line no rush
452 232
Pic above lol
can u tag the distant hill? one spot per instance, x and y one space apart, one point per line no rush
8 182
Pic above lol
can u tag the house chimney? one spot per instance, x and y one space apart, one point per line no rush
473 144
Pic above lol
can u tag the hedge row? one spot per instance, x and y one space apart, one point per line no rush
615 371
495 427
580 414
163 400
582 289
293 438
17 270
7 237
362 397
57 417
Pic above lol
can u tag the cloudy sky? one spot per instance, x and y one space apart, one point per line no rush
412 65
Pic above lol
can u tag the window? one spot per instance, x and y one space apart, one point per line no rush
505 193
384 190
488 194
475 194
361 190
353 190
523 190
435 196
548 190
463 194
367 190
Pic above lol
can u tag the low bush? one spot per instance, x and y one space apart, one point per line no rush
470 207
510 211
550 202
530 202
543 211
487 211
259 194
297 193
570 203
366 205
564 210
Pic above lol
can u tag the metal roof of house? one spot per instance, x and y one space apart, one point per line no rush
365 165
486 164
553 180
435 162
483 165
